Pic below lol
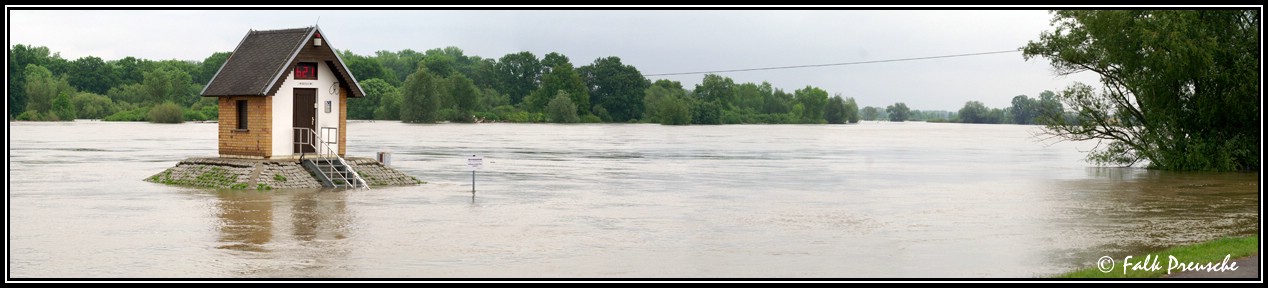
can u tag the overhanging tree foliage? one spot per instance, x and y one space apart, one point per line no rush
1180 89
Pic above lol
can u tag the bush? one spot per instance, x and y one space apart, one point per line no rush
135 114
561 109
63 108
674 111
601 112
167 112
209 107
92 106
212 112
452 115
488 116
704 112
193 115
591 118
732 117
504 111
31 115
524 117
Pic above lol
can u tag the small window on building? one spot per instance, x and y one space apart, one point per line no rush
306 71
242 114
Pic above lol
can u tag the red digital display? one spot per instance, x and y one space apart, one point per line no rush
306 71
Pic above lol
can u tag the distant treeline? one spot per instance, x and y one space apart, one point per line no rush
444 84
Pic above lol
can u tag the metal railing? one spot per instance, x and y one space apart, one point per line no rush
326 154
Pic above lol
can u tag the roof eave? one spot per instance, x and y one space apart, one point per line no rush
222 65
295 53
356 85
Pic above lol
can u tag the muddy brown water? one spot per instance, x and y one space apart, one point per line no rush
610 201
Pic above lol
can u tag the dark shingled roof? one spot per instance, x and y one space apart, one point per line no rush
261 59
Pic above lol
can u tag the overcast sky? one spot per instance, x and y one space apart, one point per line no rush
654 41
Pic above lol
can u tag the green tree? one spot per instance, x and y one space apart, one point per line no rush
1048 104
561 109
716 89
617 87
851 110
870 113
134 93
813 100
20 58
62 106
420 97
92 106
389 107
91 74
666 103
751 97
834 113
490 98
365 68
705 112
209 107
42 89
16 97
1024 110
364 107
401 64
484 73
210 65
997 116
1180 88
519 74
898 112
168 83
130 70
561 77
552 59
777 102
440 64
975 112
674 111
464 93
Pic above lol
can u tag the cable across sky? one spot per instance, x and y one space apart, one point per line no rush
834 64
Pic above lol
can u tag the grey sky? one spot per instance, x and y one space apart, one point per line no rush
654 41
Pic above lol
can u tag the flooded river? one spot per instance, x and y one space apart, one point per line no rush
610 201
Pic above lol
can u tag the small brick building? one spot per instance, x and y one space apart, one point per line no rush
276 87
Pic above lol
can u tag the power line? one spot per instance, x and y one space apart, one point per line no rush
833 64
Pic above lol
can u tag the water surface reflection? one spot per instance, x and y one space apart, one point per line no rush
297 232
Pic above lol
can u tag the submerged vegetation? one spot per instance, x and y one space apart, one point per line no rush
205 177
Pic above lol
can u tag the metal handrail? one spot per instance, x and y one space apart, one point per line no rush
327 154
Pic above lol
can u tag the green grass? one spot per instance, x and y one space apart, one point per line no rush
1212 251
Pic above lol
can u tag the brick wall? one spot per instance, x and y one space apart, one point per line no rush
257 140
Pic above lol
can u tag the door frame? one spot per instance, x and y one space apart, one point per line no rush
296 121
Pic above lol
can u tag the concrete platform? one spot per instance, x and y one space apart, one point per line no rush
266 174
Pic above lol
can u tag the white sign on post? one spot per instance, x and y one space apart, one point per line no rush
475 162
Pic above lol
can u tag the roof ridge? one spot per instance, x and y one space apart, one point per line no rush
288 30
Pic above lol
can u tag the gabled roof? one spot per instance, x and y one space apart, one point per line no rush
261 62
